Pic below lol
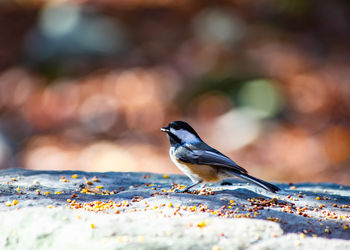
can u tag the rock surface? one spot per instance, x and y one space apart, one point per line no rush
43 210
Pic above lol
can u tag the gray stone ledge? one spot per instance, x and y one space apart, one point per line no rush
31 224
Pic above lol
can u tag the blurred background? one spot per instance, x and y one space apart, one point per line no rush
86 85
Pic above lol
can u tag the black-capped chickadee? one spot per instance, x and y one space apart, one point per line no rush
202 163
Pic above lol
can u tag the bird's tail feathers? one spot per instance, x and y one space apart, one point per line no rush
263 184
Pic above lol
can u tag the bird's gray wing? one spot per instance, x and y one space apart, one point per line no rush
205 157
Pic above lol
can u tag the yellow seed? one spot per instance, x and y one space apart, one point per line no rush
8 204
92 225
47 192
18 189
303 235
169 204
14 202
327 231
58 192
74 176
50 206
346 227
89 182
123 238
84 191
317 198
232 201
215 248
111 193
99 187
203 223
165 176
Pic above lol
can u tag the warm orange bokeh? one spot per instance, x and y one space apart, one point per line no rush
87 86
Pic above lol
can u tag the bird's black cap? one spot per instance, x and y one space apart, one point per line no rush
177 125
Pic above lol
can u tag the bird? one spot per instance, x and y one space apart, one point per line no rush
202 163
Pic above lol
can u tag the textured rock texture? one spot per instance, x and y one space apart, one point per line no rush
81 210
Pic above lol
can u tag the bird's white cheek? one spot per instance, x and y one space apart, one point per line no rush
186 136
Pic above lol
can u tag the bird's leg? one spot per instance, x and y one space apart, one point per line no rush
186 189
191 186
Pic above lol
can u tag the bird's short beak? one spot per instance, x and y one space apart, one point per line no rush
165 129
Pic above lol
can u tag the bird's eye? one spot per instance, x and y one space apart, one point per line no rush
176 127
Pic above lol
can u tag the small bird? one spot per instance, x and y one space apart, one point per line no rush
202 163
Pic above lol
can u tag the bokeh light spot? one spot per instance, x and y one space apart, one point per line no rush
262 97
98 113
336 141
218 26
308 93
235 129
59 19
106 156
210 105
